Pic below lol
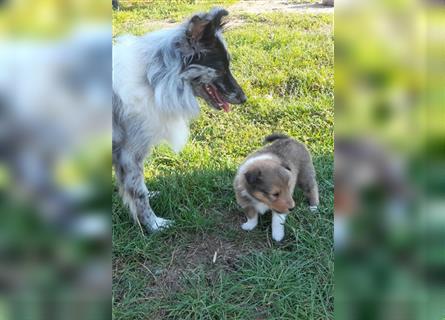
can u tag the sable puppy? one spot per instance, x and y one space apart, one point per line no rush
267 178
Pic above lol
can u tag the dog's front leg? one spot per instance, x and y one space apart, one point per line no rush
310 191
252 219
129 173
278 220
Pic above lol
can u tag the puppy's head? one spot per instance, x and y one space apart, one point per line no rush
269 183
207 62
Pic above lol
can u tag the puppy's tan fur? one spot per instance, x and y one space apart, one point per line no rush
267 178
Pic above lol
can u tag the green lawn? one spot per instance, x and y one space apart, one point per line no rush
284 62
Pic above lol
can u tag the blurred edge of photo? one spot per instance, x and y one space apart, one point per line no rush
389 159
55 159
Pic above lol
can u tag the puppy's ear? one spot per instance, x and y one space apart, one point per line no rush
253 177
196 28
286 166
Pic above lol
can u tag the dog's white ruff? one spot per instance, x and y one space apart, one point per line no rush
165 113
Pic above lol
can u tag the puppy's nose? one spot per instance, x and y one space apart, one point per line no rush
290 209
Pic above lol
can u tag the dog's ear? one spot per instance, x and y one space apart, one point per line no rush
253 177
216 15
286 166
196 28
203 27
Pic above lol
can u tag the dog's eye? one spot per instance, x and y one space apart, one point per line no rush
276 194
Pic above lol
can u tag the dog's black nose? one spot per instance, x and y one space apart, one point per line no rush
242 98
290 209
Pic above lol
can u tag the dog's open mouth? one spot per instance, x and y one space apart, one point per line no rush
216 97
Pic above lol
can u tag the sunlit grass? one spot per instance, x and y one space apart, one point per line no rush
285 64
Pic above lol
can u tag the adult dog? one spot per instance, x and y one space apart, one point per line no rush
156 79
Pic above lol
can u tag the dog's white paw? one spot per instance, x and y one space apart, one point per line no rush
249 225
161 223
278 234
313 208
278 221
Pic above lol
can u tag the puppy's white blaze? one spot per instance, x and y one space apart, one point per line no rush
278 221
266 156
250 224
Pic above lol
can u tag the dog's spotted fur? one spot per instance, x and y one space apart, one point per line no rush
156 79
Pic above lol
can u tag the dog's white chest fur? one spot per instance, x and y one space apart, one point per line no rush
175 131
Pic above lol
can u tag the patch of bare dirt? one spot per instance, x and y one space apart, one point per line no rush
211 252
260 6
255 7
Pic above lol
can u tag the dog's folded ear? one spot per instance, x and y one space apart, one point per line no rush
203 27
216 15
286 166
253 177
196 28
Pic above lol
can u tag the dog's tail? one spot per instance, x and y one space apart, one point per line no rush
275 136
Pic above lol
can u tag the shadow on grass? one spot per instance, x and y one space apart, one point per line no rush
207 237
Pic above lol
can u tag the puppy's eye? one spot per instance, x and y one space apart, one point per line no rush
276 194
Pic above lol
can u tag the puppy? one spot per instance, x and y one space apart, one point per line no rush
267 178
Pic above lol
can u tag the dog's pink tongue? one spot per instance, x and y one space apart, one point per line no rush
220 100
226 106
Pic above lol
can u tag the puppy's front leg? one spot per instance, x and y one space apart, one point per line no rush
252 219
312 196
278 220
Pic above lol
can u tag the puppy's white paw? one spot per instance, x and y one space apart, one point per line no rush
161 223
278 234
249 225
313 208
278 221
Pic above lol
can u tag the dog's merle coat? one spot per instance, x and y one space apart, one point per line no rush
156 79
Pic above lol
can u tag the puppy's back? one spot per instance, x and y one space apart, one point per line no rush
294 155
289 150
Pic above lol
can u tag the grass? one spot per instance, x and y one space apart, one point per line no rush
285 64
136 13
